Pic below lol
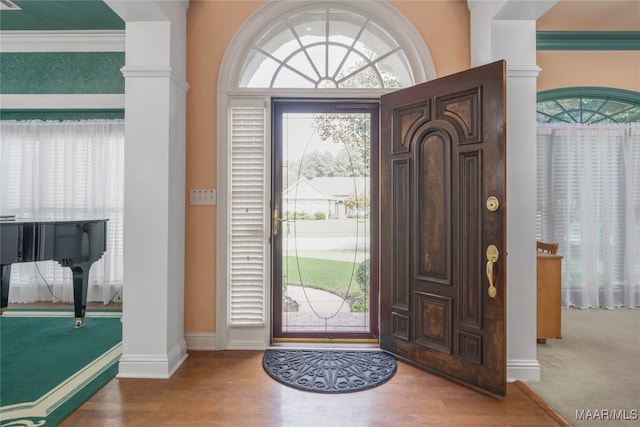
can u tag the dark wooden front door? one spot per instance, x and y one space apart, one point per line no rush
442 226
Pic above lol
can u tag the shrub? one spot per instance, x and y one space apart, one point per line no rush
362 276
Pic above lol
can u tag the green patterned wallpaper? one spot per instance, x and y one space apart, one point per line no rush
61 73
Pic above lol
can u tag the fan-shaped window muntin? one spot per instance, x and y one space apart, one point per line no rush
589 108
326 48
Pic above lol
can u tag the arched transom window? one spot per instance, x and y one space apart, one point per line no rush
588 106
326 47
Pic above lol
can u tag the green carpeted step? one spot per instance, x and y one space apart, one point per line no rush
46 360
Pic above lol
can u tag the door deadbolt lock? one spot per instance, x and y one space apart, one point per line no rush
493 204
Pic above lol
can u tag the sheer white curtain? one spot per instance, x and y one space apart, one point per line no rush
589 203
58 170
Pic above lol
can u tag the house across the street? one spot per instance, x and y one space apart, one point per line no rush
328 197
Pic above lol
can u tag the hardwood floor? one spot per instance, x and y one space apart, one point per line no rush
230 388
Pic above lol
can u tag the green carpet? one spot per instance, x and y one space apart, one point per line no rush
48 367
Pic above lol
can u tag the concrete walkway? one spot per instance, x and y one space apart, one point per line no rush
321 301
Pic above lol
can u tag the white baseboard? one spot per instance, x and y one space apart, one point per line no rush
246 345
201 340
151 365
523 370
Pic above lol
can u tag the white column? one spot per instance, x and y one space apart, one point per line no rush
155 107
507 30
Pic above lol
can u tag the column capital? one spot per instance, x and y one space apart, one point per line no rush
150 71
531 71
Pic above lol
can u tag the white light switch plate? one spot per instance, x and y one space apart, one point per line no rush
202 197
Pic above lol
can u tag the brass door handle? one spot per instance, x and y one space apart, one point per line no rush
492 256
276 222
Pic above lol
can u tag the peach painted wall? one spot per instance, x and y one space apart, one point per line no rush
210 27
615 69
591 15
444 25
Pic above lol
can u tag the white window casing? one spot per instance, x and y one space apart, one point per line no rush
243 279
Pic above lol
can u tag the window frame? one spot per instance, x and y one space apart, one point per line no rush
630 98
230 94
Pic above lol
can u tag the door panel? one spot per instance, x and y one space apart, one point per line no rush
325 220
441 157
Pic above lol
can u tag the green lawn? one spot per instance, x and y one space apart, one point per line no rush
329 227
330 275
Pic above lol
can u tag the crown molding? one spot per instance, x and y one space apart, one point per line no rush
62 101
62 41
588 40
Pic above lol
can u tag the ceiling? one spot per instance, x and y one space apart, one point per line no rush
594 15
60 15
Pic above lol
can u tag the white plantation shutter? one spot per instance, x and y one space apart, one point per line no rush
248 213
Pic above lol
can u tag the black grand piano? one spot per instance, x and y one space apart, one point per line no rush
74 244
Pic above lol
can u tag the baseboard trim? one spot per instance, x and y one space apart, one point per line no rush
246 345
201 341
152 366
523 370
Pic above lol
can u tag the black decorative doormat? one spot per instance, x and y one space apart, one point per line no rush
329 371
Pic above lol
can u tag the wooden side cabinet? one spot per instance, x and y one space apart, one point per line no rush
549 274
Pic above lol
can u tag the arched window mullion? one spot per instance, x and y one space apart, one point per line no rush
370 64
621 112
293 70
565 112
367 64
588 105
283 64
547 115
385 56
583 119
326 41
303 48
351 49
559 118
603 119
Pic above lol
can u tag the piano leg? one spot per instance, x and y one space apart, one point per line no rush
80 287
5 276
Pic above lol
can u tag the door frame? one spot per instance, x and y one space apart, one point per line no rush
328 105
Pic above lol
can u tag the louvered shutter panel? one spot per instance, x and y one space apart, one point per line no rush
248 216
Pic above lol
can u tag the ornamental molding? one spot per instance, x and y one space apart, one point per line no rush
62 41
527 71
62 101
